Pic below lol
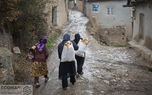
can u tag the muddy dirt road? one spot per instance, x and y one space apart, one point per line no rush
107 70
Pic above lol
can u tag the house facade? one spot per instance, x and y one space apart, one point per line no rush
142 23
111 16
58 13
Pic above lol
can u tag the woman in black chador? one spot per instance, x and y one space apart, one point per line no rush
66 69
79 59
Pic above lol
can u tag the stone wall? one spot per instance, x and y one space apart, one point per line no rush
110 36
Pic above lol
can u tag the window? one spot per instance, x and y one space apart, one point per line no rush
109 11
95 7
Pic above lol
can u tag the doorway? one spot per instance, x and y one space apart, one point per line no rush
54 15
141 26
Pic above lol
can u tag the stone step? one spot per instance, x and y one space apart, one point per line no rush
144 51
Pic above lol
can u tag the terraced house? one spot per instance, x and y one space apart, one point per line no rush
111 20
141 25
58 11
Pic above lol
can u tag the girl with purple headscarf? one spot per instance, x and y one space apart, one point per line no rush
39 67
42 43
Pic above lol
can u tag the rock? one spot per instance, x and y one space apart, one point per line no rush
4 52
92 33
114 80
4 72
6 68
126 75
102 91
107 82
126 71
124 81
16 50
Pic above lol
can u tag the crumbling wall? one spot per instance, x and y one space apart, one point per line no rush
115 36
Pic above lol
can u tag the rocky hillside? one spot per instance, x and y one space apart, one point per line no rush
23 22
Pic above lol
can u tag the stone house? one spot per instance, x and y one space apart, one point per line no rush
111 20
141 25
58 13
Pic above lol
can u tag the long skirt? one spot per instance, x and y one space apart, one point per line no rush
39 69
67 69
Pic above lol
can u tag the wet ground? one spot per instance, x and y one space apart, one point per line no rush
107 70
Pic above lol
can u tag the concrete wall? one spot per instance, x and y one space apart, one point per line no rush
146 40
80 5
120 16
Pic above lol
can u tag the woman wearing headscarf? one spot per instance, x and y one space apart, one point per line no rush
79 59
39 66
66 69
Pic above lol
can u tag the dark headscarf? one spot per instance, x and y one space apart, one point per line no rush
42 43
77 38
66 37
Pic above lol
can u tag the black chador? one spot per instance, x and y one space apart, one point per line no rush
66 69
79 59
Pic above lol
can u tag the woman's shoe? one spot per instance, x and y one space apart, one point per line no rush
46 79
77 75
81 73
65 88
37 85
72 83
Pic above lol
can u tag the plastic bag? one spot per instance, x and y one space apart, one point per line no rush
31 54
82 47
68 53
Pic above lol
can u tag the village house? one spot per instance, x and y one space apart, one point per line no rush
141 25
111 19
58 13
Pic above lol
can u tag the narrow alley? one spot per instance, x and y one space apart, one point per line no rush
107 70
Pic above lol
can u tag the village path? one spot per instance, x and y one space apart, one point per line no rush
107 70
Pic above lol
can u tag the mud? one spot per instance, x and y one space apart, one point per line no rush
107 70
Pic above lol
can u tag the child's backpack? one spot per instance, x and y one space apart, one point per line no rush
68 53
31 54
82 47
